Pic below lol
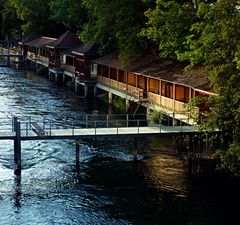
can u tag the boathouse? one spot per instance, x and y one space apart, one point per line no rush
36 52
151 81
65 42
155 83
76 63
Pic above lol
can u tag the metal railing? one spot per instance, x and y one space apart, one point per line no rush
46 126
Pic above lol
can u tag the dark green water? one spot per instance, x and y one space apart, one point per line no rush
110 188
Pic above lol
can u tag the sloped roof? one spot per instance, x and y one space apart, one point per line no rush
67 40
29 38
155 67
40 42
86 49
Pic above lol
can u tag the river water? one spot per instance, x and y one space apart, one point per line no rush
110 188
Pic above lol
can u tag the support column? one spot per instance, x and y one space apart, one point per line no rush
174 121
95 91
76 87
63 78
73 83
77 155
148 112
127 104
85 91
110 98
17 144
135 152
58 77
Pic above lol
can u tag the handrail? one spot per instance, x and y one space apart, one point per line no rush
72 124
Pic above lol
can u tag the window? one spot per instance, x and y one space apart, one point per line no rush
154 86
121 76
131 79
182 93
167 89
113 73
142 82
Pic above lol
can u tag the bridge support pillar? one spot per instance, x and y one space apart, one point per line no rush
110 98
17 145
77 155
51 76
127 104
59 78
85 90
76 87
135 146
95 91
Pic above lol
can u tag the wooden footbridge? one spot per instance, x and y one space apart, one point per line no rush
88 126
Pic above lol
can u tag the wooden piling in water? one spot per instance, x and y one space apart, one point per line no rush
77 155
17 144
135 146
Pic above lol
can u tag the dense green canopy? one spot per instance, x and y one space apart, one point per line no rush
201 32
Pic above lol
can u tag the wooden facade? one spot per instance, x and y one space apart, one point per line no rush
163 85
65 42
163 93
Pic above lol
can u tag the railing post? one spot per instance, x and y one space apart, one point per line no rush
160 124
86 119
27 129
73 128
43 122
138 125
95 124
50 124
117 126
127 119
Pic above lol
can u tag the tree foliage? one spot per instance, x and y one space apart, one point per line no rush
214 42
116 24
71 13
168 26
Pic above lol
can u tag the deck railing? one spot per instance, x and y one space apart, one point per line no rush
43 126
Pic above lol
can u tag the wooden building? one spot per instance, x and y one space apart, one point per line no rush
84 55
36 51
65 42
159 83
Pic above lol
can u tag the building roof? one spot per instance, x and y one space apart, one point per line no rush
29 38
40 42
89 48
65 41
155 67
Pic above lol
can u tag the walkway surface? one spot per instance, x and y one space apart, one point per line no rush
29 130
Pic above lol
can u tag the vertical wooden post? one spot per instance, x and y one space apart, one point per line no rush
76 87
95 91
85 91
127 104
135 149
77 155
110 98
17 144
